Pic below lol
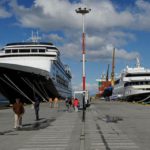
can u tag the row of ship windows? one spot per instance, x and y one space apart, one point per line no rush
61 81
137 83
65 67
25 51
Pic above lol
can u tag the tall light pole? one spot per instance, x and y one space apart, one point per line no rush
83 12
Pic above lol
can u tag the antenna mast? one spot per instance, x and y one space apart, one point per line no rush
138 64
35 37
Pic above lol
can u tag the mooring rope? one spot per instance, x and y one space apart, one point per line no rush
19 90
31 85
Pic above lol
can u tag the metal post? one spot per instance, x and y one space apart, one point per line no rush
83 11
83 115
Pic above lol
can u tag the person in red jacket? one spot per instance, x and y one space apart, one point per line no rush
76 104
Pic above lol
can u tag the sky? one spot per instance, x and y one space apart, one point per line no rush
123 24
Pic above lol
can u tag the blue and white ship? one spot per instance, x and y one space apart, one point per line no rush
29 69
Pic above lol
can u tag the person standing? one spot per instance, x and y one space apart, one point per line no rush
67 103
51 102
76 104
70 103
55 102
36 107
18 109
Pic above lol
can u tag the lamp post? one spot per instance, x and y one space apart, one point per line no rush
83 12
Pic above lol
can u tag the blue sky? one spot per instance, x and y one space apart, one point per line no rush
123 24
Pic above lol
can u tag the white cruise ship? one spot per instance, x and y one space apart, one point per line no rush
133 84
29 69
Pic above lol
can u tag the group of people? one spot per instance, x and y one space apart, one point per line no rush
72 103
53 102
18 108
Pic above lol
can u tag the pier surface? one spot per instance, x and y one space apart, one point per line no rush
107 126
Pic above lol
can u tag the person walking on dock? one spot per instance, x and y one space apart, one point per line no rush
76 104
36 107
70 103
18 109
51 102
67 103
55 102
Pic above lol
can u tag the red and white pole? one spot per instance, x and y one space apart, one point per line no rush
83 57
83 11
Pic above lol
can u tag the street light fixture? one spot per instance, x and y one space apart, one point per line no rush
83 11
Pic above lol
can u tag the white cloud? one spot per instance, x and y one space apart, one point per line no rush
94 41
4 13
55 37
142 20
143 5
116 38
104 15
103 53
56 14
123 54
47 15
100 47
106 53
60 15
71 50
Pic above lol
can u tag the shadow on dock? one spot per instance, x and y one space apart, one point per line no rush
40 124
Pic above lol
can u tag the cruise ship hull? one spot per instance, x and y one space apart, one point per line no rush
26 83
139 97
137 94
131 94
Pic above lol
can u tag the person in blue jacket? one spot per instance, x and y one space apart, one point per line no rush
36 107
